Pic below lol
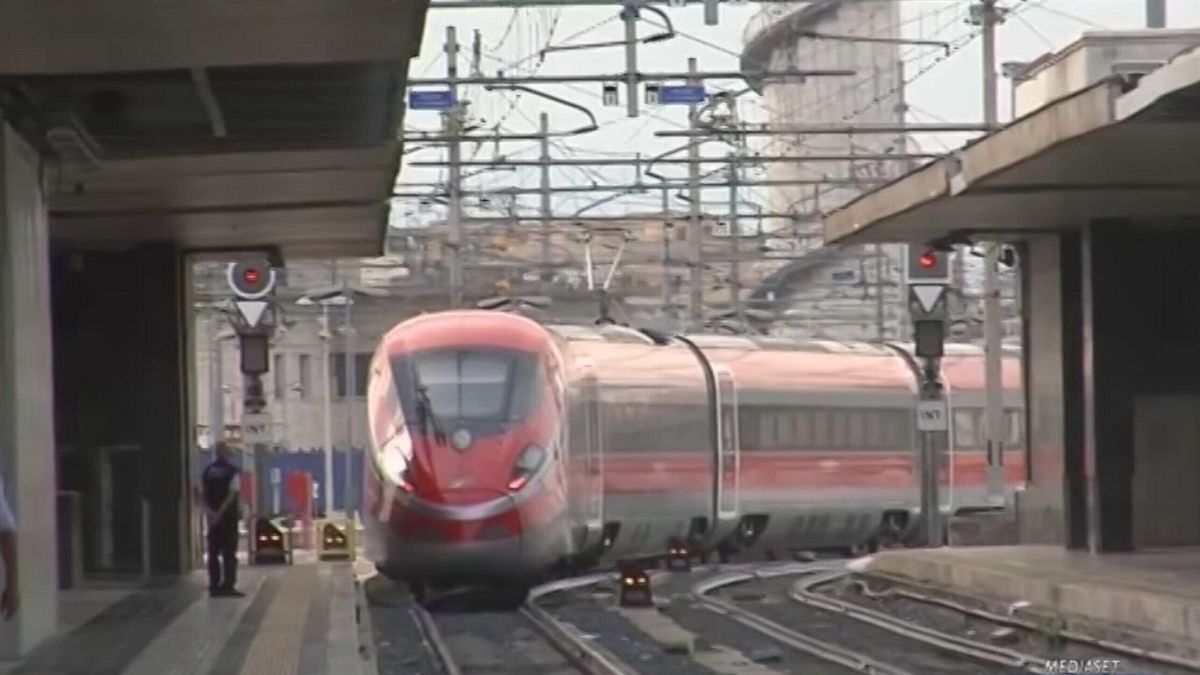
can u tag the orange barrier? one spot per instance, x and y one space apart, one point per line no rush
299 486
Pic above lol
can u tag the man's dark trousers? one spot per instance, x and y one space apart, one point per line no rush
222 553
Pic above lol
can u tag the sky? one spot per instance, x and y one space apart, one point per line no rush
513 38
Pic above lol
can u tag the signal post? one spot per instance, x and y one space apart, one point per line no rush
928 274
253 284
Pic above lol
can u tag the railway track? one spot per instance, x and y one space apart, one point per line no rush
973 649
840 635
774 605
549 645
822 649
1147 659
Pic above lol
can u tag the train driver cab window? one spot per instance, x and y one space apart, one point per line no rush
472 387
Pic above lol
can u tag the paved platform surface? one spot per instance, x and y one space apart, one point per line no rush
294 620
1150 591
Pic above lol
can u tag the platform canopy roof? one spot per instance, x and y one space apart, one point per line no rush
1103 152
214 123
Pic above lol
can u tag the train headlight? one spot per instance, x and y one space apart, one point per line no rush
527 465
461 439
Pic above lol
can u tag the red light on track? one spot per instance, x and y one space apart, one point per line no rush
927 260
250 276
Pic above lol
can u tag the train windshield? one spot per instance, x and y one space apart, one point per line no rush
475 387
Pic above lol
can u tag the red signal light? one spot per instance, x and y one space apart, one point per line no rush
927 260
250 276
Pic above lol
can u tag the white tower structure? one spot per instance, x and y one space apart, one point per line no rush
852 293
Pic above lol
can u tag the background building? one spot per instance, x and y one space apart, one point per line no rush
857 292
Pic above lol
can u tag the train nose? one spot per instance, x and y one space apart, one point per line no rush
453 495
473 534
470 515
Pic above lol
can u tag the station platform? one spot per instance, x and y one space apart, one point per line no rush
300 619
1153 595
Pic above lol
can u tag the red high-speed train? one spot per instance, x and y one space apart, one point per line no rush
503 448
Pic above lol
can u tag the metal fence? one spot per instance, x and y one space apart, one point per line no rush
312 462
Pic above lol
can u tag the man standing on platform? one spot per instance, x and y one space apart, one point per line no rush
220 501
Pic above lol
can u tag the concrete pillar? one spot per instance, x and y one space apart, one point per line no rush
27 446
1074 438
1109 328
166 430
1048 299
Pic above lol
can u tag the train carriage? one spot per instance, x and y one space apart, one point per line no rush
503 448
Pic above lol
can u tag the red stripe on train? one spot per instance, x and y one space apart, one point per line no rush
882 470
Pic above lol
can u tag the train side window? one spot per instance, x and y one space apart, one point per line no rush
966 428
624 432
785 428
766 430
804 429
748 428
837 431
856 431
650 434
820 436
906 422
696 428
895 431
873 428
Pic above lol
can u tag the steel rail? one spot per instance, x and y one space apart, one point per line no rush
1014 622
432 638
819 648
579 652
977 650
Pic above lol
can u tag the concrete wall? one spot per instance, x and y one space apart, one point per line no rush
1139 341
26 391
1113 385
1091 59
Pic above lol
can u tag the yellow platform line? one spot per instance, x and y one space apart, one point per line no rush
276 648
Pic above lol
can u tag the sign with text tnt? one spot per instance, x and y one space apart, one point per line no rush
932 416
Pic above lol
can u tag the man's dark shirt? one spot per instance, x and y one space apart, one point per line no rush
218 480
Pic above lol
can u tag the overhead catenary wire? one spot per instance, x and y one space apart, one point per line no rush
562 149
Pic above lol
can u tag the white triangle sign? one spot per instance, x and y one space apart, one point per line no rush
252 311
928 296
